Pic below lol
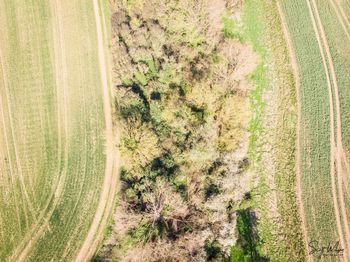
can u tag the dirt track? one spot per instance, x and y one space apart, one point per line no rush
109 186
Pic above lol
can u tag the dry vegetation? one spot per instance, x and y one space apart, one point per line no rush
182 92
273 133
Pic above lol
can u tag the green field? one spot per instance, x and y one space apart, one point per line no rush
52 129
321 48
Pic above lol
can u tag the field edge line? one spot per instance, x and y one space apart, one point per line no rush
297 83
108 192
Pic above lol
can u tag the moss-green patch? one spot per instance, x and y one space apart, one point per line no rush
231 27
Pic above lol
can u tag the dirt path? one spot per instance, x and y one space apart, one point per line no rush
298 154
336 142
110 181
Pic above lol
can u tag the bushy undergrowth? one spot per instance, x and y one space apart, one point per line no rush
183 103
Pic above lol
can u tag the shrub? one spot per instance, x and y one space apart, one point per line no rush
230 27
132 106
141 78
144 233
165 209
237 254
139 144
211 189
165 165
213 250
180 183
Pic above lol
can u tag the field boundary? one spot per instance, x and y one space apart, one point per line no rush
296 75
108 192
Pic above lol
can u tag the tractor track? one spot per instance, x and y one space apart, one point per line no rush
42 221
336 132
341 17
339 165
105 204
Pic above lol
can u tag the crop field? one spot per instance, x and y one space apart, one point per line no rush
56 155
320 34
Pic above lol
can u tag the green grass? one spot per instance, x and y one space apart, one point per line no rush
231 28
282 239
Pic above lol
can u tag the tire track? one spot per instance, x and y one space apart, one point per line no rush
84 166
332 135
297 81
24 193
341 173
42 222
7 148
345 18
336 143
110 181
341 17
